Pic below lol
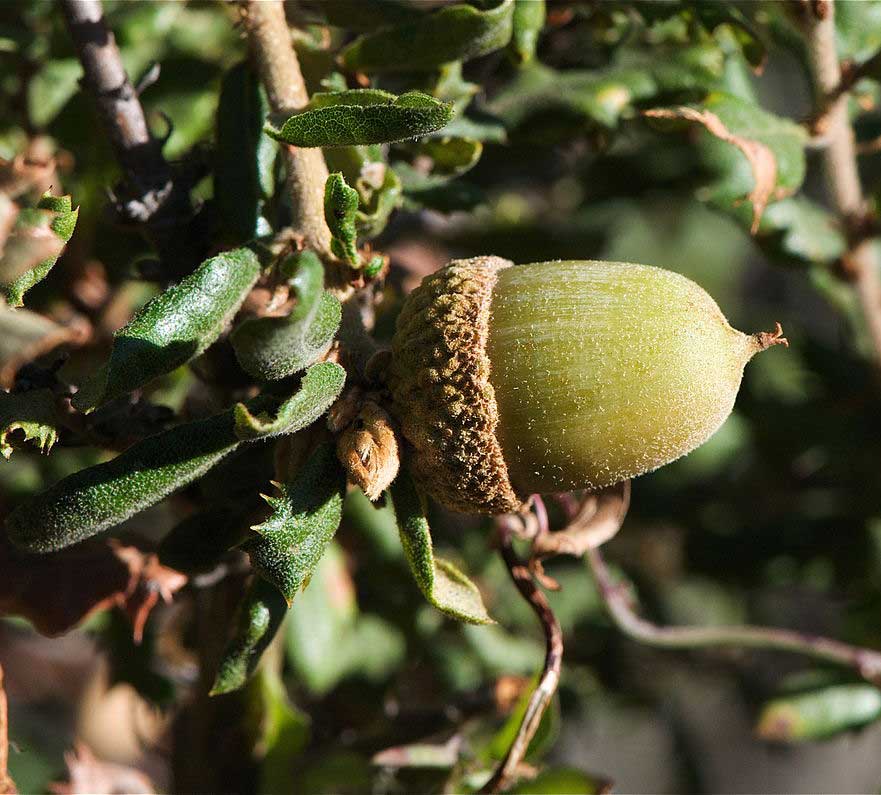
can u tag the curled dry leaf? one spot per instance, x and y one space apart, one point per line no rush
55 592
597 519
368 449
24 336
761 158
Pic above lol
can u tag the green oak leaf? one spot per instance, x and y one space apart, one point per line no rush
260 615
30 413
455 33
244 171
819 713
288 545
367 116
174 327
62 222
271 348
321 386
528 20
442 584
340 210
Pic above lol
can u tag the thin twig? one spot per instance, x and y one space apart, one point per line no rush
150 194
7 785
270 42
550 676
616 597
840 162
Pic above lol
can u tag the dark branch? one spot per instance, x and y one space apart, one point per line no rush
550 676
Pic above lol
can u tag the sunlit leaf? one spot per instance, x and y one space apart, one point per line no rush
288 545
271 348
440 581
174 327
321 386
30 415
365 116
340 209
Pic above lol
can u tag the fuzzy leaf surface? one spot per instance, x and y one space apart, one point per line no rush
340 210
368 116
442 584
455 33
304 519
174 327
271 348
321 386
260 615
99 497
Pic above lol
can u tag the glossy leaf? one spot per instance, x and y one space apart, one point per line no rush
99 497
455 33
321 386
271 348
61 219
244 174
528 20
820 713
30 415
174 327
305 517
367 116
340 209
440 581
260 616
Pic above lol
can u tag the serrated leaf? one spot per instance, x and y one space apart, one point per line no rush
455 33
528 20
340 209
32 414
368 116
271 348
31 243
62 222
820 713
442 584
759 157
288 545
321 386
174 327
260 616
99 497
244 174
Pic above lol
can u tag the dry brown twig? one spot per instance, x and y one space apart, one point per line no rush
7 785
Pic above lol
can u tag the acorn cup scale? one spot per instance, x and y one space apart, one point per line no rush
512 380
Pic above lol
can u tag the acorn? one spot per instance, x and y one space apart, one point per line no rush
509 380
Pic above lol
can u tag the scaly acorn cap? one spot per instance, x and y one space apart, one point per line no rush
556 376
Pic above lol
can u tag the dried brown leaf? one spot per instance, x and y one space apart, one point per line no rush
761 158
32 172
55 592
598 518
25 248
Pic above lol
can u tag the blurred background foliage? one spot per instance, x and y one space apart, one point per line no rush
776 520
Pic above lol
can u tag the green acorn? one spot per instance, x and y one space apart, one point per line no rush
513 380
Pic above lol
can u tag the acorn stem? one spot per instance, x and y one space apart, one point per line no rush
766 339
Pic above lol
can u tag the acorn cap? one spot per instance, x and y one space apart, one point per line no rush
439 379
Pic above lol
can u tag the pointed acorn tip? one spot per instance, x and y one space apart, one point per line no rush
767 339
